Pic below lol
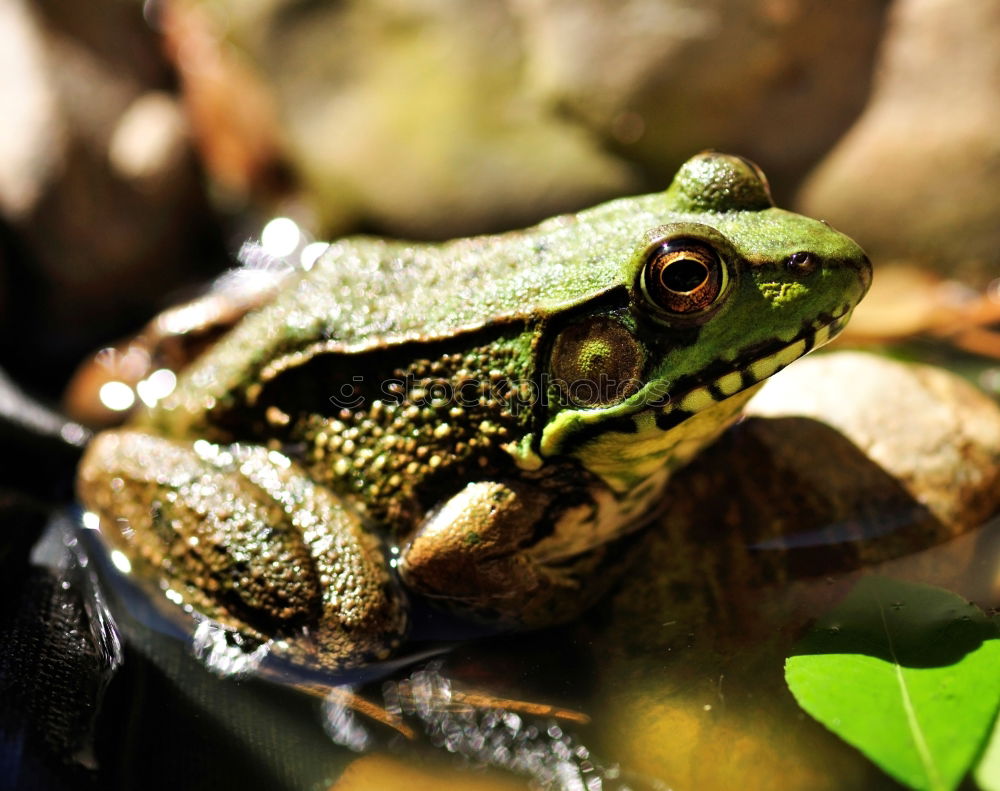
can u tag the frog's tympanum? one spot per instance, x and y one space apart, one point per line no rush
489 417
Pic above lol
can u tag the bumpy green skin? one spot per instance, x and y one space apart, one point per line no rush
418 387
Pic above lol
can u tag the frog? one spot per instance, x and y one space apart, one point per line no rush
482 425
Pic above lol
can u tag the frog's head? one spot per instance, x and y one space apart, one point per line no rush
727 291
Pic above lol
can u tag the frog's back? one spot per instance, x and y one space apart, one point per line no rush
368 293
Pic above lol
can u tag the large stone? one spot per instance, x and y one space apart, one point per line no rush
932 433
778 82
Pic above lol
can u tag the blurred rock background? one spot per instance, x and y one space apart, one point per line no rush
102 203
915 178
438 118
145 141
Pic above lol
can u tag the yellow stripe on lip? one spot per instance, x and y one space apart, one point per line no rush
766 366
697 400
730 383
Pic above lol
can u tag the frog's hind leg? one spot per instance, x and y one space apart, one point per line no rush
473 555
244 536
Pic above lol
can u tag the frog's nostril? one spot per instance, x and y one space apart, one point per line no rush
801 263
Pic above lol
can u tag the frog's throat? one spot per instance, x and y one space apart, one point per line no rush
661 407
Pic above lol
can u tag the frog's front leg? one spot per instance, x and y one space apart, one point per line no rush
244 536
474 554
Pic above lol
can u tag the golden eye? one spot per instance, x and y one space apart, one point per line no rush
682 276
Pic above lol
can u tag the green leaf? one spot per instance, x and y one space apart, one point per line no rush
988 771
907 674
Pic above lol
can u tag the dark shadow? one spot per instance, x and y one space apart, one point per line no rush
800 498
915 626
41 447
153 735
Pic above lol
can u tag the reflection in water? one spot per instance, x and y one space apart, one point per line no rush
487 736
223 651
530 740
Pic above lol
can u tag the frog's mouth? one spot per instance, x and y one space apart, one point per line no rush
692 394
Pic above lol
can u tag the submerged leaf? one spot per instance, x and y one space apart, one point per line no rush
908 674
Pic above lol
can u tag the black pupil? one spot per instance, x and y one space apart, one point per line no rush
683 275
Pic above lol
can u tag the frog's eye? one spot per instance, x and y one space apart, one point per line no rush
683 276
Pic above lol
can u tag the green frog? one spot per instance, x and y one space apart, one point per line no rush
483 423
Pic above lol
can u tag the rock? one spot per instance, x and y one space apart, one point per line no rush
442 118
411 115
232 113
928 144
778 82
934 434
